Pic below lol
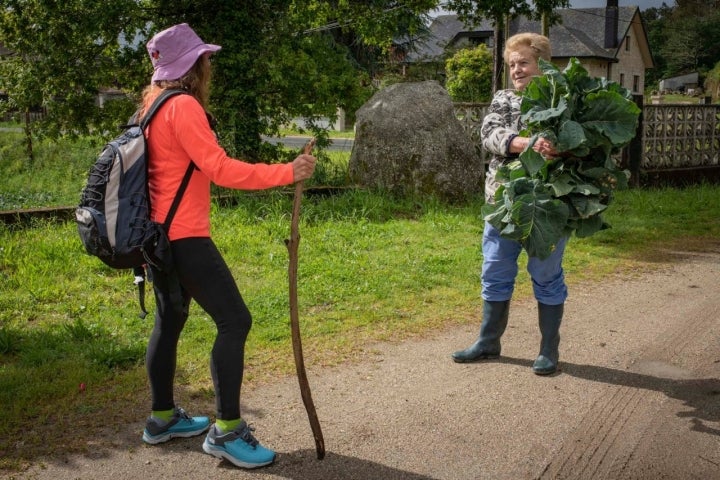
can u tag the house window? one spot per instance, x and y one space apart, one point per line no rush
622 79
627 43
475 41
636 83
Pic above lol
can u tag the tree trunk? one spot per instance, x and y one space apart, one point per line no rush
498 61
545 21
28 139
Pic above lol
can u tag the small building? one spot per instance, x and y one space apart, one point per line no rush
681 83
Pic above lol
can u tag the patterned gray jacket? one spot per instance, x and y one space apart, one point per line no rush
499 127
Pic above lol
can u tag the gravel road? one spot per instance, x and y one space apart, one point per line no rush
638 397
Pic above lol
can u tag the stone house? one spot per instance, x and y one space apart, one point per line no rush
609 41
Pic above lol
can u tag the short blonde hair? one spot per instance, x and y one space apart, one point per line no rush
539 44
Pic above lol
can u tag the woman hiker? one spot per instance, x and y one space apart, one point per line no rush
178 134
500 136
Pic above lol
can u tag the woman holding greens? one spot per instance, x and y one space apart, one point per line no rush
500 136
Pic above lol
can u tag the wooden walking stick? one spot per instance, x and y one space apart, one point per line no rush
292 246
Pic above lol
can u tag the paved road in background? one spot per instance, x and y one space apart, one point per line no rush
336 144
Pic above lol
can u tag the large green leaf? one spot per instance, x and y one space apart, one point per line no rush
510 171
571 136
586 189
539 113
539 94
586 205
612 115
562 184
541 219
585 227
532 160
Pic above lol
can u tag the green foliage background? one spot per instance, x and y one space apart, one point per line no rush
684 37
469 75
280 59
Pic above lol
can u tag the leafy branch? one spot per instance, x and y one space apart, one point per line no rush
589 120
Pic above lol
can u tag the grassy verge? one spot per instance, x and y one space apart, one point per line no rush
54 178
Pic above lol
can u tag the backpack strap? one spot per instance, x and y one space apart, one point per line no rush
139 272
178 196
157 103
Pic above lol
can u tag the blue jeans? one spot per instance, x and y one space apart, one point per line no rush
500 267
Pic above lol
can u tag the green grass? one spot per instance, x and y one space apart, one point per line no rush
371 268
64 165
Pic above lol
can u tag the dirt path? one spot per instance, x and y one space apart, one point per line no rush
638 398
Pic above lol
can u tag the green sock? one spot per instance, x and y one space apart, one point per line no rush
227 425
163 414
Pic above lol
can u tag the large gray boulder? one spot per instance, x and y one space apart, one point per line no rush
408 140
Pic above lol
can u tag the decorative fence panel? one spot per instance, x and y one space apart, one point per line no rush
470 116
673 137
680 137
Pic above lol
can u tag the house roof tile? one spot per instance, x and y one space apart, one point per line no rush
581 33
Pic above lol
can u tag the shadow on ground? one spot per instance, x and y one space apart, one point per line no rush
304 465
701 395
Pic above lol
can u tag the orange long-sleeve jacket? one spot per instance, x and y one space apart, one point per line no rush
179 133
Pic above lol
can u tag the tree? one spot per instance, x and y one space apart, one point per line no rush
696 8
280 58
469 75
498 12
681 50
683 38
60 65
712 82
656 20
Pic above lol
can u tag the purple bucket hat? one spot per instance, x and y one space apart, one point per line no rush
174 51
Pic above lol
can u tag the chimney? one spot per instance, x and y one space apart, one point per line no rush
611 24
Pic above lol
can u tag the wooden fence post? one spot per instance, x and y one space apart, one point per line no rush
632 154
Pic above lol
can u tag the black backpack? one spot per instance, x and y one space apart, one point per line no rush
113 217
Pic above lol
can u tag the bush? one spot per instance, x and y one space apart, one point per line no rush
712 82
469 75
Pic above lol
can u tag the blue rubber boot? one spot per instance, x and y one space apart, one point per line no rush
487 346
549 318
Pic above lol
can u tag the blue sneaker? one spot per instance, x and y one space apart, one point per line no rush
180 425
238 447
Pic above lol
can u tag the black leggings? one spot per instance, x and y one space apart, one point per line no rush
204 276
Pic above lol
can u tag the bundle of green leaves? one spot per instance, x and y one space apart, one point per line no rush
589 120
